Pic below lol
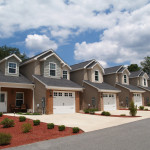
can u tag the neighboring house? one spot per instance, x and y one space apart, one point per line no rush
15 89
51 76
118 77
96 94
140 79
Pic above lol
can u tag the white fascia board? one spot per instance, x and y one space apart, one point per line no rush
17 85
134 91
64 88
109 91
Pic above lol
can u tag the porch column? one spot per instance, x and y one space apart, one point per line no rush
49 101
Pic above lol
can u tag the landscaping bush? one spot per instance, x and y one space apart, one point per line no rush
26 127
133 109
75 130
141 107
92 111
22 118
105 113
20 113
1 114
36 113
123 115
36 122
148 104
7 123
146 109
61 128
86 111
27 113
5 138
50 126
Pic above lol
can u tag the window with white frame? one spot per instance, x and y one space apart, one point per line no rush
19 99
65 74
125 78
12 67
145 82
96 75
52 69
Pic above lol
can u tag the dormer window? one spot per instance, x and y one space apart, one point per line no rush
52 69
125 78
12 68
65 74
144 82
96 75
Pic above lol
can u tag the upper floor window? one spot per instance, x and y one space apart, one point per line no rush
96 75
125 78
144 82
52 69
12 67
65 74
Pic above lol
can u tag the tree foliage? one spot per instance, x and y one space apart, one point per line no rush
6 51
146 64
134 67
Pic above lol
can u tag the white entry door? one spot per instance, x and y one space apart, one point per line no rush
63 102
3 102
109 101
137 99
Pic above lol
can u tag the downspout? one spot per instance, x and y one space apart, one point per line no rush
33 99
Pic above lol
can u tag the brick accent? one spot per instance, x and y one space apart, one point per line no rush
77 101
117 101
101 102
49 102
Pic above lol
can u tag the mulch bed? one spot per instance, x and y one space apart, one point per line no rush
38 133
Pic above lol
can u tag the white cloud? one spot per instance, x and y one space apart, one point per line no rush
39 42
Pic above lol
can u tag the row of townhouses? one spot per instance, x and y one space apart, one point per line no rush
45 83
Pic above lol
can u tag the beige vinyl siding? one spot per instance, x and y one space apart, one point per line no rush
13 60
121 77
65 68
2 66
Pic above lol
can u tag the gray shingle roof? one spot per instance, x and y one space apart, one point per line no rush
57 82
145 88
130 87
135 74
80 65
122 69
92 64
14 79
102 86
112 69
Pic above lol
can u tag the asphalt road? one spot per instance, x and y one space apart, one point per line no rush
131 136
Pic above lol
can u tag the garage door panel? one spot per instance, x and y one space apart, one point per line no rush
137 99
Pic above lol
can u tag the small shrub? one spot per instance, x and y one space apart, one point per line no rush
1 114
5 138
146 109
141 107
7 123
36 122
133 109
105 113
19 113
36 113
50 126
28 113
123 115
22 118
86 111
61 128
92 111
26 127
148 104
75 130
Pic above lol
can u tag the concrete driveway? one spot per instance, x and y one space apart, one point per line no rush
88 122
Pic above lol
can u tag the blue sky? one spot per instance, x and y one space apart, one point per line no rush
112 32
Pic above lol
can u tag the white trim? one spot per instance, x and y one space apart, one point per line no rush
13 55
130 89
113 72
35 58
52 69
1 92
124 79
17 85
13 68
33 100
19 99
102 90
144 88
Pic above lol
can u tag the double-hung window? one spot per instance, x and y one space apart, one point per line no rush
125 78
19 99
144 82
12 68
65 74
96 75
52 69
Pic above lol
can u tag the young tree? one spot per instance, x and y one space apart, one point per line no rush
134 67
146 64
133 109
6 51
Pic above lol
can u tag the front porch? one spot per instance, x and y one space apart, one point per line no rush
11 99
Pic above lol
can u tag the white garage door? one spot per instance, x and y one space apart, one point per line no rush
109 101
137 99
63 102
